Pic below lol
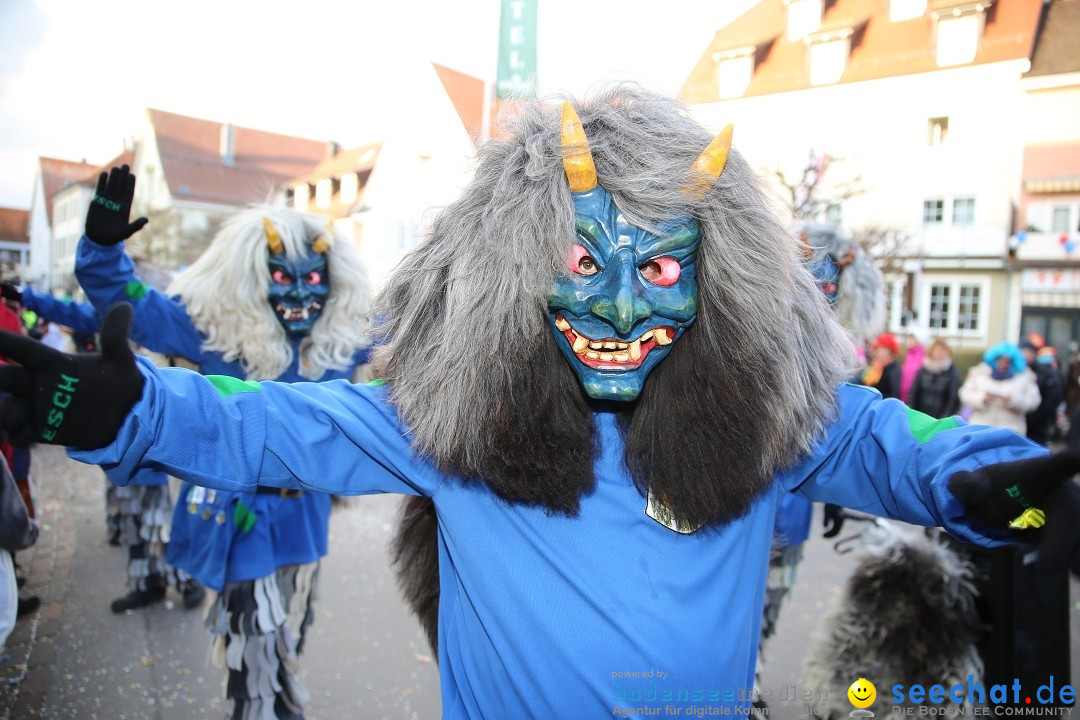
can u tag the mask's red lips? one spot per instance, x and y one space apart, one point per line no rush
612 353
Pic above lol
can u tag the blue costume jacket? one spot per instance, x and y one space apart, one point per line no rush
217 537
543 615
80 317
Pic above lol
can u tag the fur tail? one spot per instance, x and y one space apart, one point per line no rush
415 558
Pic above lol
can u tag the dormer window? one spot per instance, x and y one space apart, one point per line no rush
734 68
906 9
804 17
937 130
301 197
324 190
828 55
957 31
350 185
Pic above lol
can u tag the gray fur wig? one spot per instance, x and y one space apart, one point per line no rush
476 375
860 299
226 294
908 614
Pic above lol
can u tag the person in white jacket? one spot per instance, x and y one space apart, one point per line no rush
1001 390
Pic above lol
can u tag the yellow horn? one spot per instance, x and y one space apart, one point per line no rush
577 158
709 164
322 243
273 240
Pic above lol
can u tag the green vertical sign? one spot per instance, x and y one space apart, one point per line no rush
516 73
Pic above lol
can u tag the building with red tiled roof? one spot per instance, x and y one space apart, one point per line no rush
52 176
917 111
192 173
383 195
781 46
1045 251
467 93
14 241
69 219
335 187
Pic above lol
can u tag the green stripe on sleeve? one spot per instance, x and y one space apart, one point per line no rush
924 427
135 290
230 386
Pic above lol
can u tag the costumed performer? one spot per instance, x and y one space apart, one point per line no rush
277 295
605 368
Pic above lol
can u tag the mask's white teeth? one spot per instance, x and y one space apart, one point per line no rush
609 345
646 337
635 350
606 357
560 324
580 343
621 345
661 336
593 355
596 345
622 356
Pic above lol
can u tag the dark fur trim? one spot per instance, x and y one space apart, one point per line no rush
414 554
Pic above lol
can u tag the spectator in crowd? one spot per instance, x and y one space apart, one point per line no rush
884 372
17 531
914 352
1040 421
935 389
1001 390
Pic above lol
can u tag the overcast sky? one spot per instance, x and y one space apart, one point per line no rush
76 76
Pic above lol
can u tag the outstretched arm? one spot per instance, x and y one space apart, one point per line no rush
216 431
80 317
107 273
886 459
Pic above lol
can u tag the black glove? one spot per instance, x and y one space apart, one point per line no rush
75 400
833 520
10 292
1032 491
110 208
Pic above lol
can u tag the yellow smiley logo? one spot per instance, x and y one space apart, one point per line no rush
862 693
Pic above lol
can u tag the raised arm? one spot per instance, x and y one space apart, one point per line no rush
107 274
80 317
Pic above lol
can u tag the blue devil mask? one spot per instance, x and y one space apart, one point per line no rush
629 296
630 293
826 272
298 289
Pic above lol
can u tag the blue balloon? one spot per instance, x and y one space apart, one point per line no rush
1022 235
1070 245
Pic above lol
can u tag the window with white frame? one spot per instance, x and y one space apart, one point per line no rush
957 306
958 39
804 17
969 307
939 307
733 74
1059 219
828 60
937 130
933 211
906 9
963 211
